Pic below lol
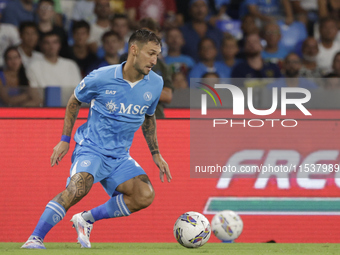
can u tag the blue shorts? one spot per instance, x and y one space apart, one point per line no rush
110 172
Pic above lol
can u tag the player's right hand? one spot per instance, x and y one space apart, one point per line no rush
59 151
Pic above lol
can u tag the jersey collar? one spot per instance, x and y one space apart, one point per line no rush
119 72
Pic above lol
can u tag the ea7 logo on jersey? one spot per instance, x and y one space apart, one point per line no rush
130 109
110 92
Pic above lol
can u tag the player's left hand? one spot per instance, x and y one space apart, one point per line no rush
59 151
163 167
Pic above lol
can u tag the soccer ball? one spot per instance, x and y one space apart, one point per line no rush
192 229
227 225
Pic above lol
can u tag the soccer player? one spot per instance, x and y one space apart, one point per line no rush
123 98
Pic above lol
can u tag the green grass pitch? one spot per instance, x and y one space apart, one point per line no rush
174 248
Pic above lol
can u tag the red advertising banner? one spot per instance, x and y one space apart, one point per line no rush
28 183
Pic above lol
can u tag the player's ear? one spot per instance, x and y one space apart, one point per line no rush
134 49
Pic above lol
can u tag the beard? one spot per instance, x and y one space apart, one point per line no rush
140 70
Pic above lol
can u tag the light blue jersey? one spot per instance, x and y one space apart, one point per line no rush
117 110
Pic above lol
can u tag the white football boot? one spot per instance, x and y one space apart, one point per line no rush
34 242
83 230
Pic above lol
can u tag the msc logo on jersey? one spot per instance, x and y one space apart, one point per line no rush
147 96
122 108
111 106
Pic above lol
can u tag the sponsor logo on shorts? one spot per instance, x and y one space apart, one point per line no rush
147 96
85 163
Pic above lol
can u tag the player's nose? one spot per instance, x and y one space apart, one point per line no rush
154 61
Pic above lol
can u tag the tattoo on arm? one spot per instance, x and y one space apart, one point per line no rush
72 110
149 131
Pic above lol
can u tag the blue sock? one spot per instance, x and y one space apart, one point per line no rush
113 208
54 212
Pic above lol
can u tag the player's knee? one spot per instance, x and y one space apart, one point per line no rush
80 184
145 198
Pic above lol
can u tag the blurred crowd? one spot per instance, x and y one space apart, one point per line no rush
58 42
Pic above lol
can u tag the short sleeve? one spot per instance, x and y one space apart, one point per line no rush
151 110
86 89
